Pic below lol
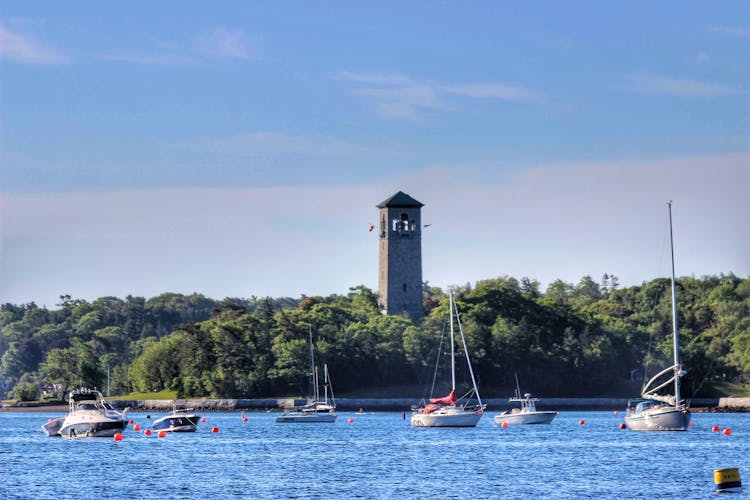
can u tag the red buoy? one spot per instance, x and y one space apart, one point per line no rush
351 421
715 428
623 426
244 419
147 432
162 434
215 430
617 412
505 425
118 436
581 422
137 427
690 424
131 421
727 431
203 420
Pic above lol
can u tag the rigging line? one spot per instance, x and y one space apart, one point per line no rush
437 362
466 351
648 357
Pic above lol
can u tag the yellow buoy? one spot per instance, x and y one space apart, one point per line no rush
726 479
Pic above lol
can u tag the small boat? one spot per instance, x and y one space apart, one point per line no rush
315 410
180 420
445 412
527 413
52 427
659 412
91 416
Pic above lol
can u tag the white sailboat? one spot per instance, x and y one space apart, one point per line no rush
527 413
315 410
658 412
444 412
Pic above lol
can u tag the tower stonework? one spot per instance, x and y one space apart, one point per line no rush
400 259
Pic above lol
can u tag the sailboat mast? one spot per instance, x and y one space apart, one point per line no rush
313 381
453 350
677 367
317 394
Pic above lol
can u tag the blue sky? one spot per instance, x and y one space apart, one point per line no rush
239 149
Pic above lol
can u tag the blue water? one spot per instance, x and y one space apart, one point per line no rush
377 456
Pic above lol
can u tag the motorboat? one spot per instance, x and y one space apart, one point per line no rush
662 412
180 420
448 411
316 410
526 414
91 415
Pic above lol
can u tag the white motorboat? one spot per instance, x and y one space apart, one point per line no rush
654 411
527 413
91 416
445 412
180 420
316 410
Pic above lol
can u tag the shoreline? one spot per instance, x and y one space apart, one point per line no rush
698 405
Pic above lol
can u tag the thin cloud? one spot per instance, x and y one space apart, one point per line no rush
399 96
375 78
702 58
276 144
228 44
494 91
731 30
659 85
24 49
165 59
220 43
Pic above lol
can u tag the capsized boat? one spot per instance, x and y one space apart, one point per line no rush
316 410
180 420
447 411
660 412
91 416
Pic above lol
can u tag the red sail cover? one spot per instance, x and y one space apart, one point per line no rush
449 399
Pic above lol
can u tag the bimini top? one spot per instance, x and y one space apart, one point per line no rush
400 199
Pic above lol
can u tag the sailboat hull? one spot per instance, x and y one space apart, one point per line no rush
454 417
659 419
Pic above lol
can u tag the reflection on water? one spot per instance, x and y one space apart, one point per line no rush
379 455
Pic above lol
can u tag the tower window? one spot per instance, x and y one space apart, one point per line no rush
404 286
404 222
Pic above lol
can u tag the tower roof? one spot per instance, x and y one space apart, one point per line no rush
400 199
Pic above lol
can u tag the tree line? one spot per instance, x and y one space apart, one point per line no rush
586 339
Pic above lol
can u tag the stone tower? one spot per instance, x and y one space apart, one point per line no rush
400 261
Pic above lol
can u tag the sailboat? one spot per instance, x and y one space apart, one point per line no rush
315 410
658 412
445 412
